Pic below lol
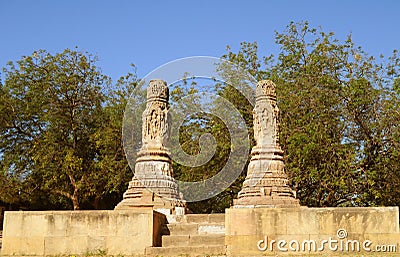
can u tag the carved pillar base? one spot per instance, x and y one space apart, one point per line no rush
152 184
266 183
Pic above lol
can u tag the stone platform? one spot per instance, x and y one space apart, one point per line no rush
312 231
67 233
239 232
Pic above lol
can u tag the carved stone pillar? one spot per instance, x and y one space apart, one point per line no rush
266 183
153 183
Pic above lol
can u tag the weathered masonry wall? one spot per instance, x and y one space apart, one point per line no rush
248 232
326 231
80 232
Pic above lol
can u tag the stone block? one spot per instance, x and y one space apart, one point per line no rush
217 218
175 240
186 251
20 245
242 244
123 245
359 220
80 232
67 245
240 221
300 221
205 218
193 240
183 229
197 218
211 228
22 225
57 226
311 231
272 221
207 240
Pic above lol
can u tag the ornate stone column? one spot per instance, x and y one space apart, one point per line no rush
266 183
153 183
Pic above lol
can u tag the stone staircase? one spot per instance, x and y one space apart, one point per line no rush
192 235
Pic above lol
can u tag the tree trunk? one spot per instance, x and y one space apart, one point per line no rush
75 199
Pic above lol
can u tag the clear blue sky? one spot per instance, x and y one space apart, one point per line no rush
151 33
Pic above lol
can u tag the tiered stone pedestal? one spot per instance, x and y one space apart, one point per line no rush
153 184
266 184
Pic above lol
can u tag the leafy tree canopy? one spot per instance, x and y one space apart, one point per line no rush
61 132
61 123
339 108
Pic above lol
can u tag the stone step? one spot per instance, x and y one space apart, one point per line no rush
183 229
205 218
211 229
204 250
193 240
194 229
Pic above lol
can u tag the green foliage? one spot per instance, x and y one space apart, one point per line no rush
61 140
339 108
186 103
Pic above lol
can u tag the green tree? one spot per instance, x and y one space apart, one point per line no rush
61 140
210 114
338 111
197 121
111 171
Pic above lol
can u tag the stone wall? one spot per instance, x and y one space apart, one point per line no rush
42 233
248 232
319 231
